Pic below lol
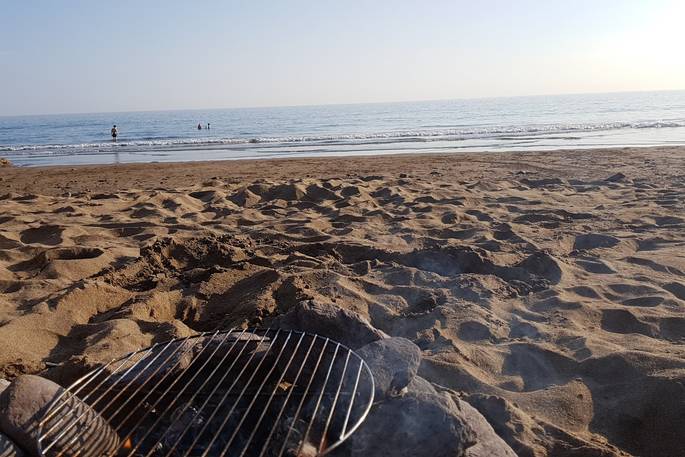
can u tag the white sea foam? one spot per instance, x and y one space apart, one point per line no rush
449 134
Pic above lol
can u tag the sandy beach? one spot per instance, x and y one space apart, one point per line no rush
546 289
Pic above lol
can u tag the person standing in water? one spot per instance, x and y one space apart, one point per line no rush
207 125
199 126
115 132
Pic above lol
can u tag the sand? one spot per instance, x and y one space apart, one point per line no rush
546 289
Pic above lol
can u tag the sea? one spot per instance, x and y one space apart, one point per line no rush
446 126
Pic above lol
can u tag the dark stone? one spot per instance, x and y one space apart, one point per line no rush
411 418
26 402
164 361
393 363
424 422
488 443
342 325
419 423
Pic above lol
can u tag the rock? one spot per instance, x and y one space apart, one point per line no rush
425 422
411 418
420 423
204 347
27 401
342 325
8 448
159 362
393 363
161 365
237 349
488 443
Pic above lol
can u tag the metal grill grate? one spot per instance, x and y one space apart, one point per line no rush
240 393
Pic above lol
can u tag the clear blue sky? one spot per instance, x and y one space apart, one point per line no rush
91 56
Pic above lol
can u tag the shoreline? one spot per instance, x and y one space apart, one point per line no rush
150 174
220 153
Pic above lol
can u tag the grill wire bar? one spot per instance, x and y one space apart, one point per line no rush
244 393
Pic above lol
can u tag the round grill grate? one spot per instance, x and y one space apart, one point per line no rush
256 392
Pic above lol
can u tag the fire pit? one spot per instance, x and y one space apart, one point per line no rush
258 392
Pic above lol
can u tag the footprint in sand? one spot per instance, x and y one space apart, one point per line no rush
594 241
624 321
596 266
47 234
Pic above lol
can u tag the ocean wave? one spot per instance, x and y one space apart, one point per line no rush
450 134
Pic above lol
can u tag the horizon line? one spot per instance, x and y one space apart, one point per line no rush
304 105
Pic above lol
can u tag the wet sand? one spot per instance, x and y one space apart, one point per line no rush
546 289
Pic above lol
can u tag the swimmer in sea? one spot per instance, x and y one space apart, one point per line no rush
115 132
199 126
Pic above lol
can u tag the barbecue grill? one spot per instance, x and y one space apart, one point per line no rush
255 392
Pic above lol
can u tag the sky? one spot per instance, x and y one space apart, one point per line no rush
85 56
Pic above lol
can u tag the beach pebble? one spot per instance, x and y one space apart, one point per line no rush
27 401
342 325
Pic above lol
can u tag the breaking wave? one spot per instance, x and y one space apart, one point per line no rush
444 134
